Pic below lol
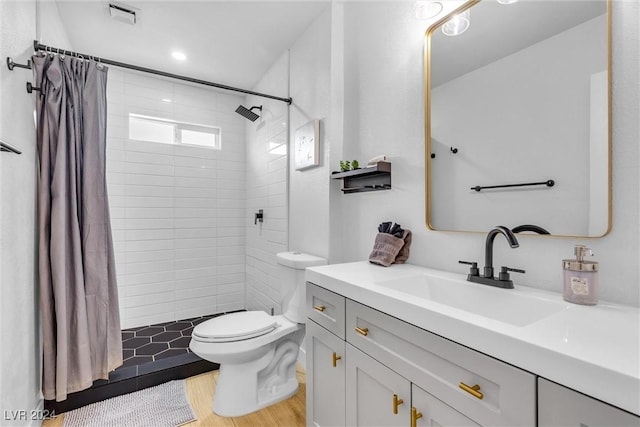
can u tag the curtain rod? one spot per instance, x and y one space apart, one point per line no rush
38 47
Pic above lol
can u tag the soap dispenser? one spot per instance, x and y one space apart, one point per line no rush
580 278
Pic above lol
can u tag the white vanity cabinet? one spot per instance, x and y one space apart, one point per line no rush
483 389
325 377
378 396
325 357
395 373
469 354
560 406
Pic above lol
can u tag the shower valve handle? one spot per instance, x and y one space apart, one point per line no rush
259 216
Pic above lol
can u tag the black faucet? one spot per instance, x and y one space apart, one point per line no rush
503 280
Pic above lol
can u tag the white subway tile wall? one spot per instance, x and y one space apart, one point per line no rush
178 212
266 190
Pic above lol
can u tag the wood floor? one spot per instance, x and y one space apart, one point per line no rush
200 389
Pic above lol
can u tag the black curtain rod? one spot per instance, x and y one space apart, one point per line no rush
38 47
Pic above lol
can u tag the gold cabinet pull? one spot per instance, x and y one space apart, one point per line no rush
396 402
362 331
474 391
415 416
320 308
335 358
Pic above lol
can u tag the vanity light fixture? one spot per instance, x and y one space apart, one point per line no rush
179 56
458 24
426 9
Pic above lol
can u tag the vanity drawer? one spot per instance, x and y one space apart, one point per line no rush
326 308
496 393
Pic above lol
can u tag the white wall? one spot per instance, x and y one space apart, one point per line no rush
310 89
20 358
176 211
19 354
502 140
384 114
303 224
266 179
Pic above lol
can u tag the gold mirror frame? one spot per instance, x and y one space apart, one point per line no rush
428 146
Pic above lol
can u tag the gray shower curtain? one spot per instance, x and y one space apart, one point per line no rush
78 289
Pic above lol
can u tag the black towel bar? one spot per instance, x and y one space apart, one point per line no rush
548 183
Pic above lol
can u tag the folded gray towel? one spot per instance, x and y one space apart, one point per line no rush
385 249
403 255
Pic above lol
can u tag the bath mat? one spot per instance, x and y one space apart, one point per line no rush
159 406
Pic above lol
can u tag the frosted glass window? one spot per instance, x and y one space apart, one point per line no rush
153 129
203 137
142 129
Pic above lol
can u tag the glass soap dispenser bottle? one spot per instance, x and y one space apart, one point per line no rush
580 278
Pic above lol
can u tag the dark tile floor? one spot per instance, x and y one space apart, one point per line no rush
152 355
151 343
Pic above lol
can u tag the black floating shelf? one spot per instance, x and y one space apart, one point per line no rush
372 178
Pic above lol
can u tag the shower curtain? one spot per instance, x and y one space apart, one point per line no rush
78 289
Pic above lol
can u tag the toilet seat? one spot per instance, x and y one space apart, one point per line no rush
232 327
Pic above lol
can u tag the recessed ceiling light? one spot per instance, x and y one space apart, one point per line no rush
166 100
178 55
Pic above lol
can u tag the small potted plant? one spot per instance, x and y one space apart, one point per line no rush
355 165
345 165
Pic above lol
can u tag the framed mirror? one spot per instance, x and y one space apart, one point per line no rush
518 117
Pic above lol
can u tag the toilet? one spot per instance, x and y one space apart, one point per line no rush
257 352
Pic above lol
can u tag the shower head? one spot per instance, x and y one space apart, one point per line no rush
248 112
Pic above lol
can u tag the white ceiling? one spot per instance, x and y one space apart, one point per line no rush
234 42
228 42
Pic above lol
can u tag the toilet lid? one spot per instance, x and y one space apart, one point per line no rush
235 327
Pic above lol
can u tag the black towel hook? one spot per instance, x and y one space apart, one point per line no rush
31 88
11 64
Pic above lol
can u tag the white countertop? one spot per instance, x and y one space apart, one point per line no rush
591 349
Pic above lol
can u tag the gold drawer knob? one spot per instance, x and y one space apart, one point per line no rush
320 308
396 402
474 391
362 331
335 358
415 416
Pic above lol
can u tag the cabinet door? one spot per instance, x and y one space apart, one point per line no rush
430 411
376 396
325 377
560 406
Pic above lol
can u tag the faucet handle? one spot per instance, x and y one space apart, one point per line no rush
473 270
504 272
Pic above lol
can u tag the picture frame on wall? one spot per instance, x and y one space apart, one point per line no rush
307 145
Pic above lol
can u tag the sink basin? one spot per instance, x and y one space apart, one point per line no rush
512 306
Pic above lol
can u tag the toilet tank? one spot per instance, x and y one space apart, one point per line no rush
292 286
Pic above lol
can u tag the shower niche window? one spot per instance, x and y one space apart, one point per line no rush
155 129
